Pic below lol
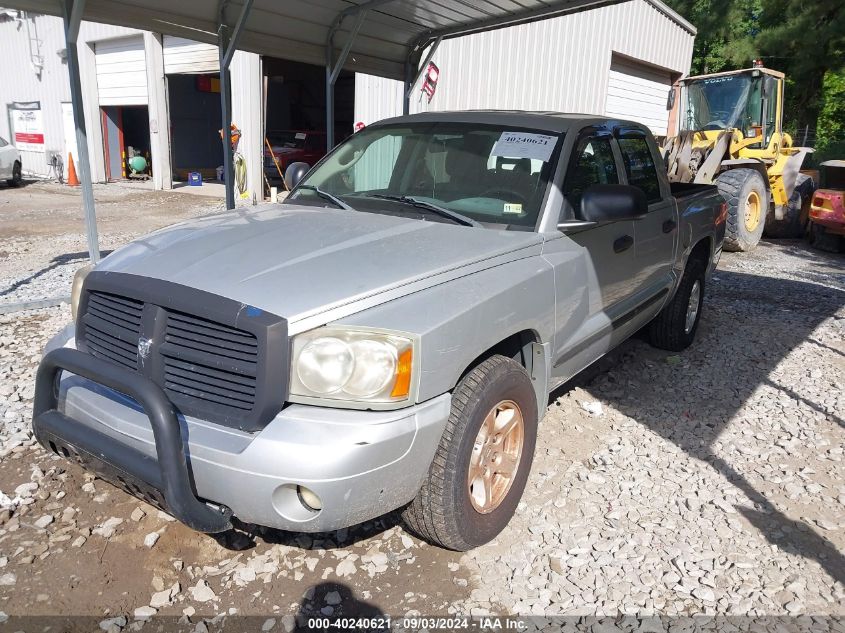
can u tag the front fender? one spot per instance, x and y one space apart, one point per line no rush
461 319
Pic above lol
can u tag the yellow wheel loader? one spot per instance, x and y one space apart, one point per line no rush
730 134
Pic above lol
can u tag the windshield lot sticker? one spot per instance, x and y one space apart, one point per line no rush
512 207
525 145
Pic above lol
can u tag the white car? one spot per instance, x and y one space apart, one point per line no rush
10 163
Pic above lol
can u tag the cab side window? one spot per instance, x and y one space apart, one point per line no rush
639 166
593 165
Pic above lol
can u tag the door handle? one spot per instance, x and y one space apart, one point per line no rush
669 226
623 243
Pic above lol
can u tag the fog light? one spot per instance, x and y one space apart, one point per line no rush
309 498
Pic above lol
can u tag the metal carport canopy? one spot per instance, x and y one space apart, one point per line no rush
298 30
378 37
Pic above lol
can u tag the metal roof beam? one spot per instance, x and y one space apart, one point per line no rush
235 35
548 11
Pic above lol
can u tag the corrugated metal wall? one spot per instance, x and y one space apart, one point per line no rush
559 64
22 83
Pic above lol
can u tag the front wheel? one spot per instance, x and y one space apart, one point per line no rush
482 462
748 202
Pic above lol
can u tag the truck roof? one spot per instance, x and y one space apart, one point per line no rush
559 122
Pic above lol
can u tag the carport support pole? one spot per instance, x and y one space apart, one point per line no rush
333 67
226 109
227 43
72 10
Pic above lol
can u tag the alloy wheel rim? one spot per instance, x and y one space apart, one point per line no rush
692 306
496 454
752 211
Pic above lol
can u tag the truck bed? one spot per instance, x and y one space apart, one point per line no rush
684 190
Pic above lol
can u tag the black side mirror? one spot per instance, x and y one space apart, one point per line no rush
670 98
610 203
295 173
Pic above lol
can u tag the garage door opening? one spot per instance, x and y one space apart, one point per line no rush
195 113
295 113
126 135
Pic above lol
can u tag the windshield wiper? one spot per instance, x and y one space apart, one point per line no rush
428 206
325 195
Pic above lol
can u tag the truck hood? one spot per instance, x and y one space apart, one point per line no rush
297 261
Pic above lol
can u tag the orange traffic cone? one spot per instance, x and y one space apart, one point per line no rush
72 180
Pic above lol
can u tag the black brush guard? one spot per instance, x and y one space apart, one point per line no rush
164 480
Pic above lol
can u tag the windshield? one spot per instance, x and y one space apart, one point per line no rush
719 103
486 173
287 139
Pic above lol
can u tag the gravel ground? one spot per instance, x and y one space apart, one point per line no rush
708 482
41 238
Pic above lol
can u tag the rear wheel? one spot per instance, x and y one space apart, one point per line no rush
17 176
674 328
482 462
794 223
748 201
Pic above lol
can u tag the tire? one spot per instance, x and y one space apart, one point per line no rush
794 223
670 329
821 240
739 187
17 177
444 512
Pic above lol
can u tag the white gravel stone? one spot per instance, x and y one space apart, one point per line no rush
151 539
44 521
201 592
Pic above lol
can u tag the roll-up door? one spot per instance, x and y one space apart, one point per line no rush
121 71
638 93
183 57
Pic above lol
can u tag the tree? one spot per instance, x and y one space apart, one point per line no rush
723 30
805 40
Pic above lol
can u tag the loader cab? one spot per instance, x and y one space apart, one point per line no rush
747 101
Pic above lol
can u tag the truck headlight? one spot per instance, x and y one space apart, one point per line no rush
353 365
76 288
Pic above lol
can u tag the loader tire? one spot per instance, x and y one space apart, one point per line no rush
466 498
748 201
794 223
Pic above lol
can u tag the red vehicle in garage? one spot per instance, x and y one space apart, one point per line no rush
292 146
827 210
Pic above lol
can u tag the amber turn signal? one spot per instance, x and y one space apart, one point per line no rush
402 386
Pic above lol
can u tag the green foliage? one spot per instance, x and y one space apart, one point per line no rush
723 27
830 133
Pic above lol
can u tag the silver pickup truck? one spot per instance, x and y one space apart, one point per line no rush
388 336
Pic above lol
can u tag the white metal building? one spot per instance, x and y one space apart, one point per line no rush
123 72
619 60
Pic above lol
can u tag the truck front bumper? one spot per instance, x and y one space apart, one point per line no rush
359 464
